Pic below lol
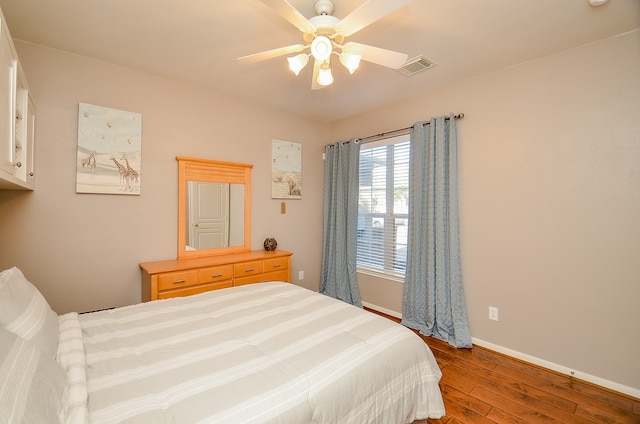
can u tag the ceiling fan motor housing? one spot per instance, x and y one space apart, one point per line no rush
324 7
324 24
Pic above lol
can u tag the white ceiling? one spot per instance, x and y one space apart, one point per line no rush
198 41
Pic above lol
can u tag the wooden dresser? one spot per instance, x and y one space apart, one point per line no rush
184 277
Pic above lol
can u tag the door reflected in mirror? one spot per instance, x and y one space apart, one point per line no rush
215 215
214 207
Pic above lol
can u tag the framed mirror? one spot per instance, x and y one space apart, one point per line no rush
214 207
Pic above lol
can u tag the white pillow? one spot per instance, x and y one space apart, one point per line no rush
34 386
25 312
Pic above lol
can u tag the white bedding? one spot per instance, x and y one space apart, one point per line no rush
260 353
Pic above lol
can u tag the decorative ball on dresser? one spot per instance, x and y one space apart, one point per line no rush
270 244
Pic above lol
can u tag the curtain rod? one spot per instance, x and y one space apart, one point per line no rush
374 137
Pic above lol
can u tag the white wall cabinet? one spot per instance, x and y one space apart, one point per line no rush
17 119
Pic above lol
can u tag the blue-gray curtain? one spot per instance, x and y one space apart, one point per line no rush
341 180
433 300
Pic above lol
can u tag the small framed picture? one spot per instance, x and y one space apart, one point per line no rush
286 170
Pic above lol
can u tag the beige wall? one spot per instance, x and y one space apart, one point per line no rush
549 205
83 250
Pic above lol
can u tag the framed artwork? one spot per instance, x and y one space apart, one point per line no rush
109 151
286 170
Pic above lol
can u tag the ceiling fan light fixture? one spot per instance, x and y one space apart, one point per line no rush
325 34
324 75
298 62
350 61
321 48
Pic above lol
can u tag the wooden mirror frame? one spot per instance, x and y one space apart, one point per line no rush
193 169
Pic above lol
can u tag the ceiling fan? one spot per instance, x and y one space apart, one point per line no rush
324 35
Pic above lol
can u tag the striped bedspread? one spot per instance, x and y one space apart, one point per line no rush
260 353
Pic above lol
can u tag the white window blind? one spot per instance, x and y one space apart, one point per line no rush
383 206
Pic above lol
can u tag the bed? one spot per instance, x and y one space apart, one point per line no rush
260 353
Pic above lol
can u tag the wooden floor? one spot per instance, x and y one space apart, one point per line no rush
482 386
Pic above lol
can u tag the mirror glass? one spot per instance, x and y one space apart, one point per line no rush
215 215
214 204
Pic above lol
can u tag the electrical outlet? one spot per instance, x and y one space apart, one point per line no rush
301 275
493 313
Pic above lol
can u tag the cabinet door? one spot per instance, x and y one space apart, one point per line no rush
7 101
21 131
29 156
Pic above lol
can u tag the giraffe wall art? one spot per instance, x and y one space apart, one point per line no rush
109 156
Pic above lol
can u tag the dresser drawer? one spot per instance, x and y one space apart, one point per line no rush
276 264
282 275
260 278
244 269
215 273
188 291
174 280
249 280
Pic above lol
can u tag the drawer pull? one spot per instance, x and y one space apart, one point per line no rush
179 281
216 275
276 265
249 269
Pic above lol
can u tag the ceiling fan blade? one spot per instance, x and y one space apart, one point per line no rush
369 12
314 78
270 54
291 14
376 55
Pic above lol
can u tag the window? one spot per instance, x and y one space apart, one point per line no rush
383 206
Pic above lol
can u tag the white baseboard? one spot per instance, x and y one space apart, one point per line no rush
383 310
536 361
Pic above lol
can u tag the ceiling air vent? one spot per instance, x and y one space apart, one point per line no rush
415 65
